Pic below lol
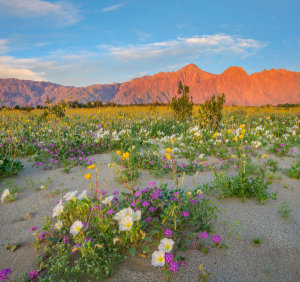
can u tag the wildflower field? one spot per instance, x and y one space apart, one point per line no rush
133 194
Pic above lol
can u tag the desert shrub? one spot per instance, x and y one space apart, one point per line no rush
58 110
183 105
210 113
9 166
88 236
285 211
242 186
294 170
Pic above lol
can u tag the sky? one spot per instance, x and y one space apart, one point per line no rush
81 43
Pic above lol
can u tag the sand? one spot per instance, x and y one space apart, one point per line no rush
276 259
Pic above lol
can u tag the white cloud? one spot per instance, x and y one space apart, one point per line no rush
113 7
3 46
63 13
19 68
190 47
109 64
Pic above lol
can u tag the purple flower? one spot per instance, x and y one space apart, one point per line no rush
168 232
173 266
44 235
145 204
116 192
152 209
173 199
65 240
169 257
151 162
148 219
181 262
4 273
109 212
87 239
33 228
138 194
155 195
194 202
281 145
152 183
216 239
34 275
185 213
93 208
84 225
204 235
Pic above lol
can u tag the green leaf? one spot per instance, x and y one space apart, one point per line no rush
148 239
146 249
153 232
132 251
53 239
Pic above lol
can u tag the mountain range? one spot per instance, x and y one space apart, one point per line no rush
267 87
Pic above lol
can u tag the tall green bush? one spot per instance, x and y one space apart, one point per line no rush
182 105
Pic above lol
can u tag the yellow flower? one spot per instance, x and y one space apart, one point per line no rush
243 131
172 140
268 117
242 126
168 156
88 176
118 152
263 156
235 139
229 130
168 150
241 136
91 167
125 155
215 135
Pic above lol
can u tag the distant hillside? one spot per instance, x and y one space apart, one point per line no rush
266 87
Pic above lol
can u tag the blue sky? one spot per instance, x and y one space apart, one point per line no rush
103 41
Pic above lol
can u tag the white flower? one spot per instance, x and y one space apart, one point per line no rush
58 209
107 200
70 195
4 195
125 223
158 258
124 212
137 216
76 227
166 245
58 225
82 195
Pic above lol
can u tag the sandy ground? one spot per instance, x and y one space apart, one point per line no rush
276 259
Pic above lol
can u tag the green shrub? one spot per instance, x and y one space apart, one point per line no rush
9 166
182 106
210 113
